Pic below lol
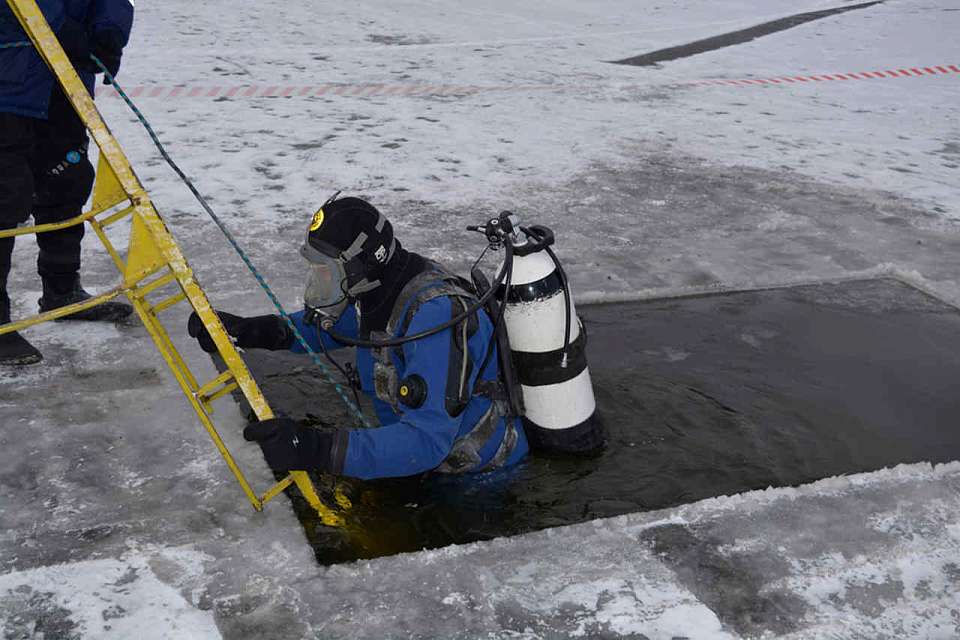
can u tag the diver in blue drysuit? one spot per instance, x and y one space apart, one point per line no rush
437 410
44 168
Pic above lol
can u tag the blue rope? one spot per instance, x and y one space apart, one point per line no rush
14 45
325 371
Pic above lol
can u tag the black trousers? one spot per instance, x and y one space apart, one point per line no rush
44 170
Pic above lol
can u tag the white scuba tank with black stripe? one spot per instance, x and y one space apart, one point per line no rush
560 408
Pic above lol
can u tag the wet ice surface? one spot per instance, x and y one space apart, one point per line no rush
701 396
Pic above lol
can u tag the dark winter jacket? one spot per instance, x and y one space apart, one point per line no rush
25 80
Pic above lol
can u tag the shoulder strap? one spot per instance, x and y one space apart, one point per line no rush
432 283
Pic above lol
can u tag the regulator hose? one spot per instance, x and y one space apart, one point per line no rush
498 321
566 304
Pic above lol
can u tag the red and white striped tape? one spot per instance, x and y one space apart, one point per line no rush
304 91
367 90
862 75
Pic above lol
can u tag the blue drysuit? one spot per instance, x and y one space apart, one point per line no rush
25 80
420 439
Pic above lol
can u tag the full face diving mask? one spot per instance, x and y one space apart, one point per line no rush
326 296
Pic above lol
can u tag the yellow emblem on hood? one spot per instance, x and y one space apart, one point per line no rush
317 220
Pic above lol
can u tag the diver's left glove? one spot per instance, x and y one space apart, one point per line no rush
260 332
289 446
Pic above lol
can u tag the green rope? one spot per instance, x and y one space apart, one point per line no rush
324 370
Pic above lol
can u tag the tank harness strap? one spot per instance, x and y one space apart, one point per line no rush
386 380
506 447
465 453
495 391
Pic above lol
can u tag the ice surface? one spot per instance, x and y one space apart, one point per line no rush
874 554
482 149
665 185
108 599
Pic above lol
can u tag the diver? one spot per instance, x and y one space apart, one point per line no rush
440 400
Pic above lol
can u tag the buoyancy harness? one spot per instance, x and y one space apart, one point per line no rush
432 283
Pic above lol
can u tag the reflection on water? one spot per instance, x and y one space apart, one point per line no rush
700 397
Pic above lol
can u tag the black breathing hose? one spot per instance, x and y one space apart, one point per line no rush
566 298
505 272
498 321
343 372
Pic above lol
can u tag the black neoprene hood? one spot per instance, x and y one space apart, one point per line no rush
337 226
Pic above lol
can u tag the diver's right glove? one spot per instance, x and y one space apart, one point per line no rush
289 446
260 332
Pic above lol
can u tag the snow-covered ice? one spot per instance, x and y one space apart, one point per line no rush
875 555
110 599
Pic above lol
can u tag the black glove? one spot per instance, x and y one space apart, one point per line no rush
261 332
76 44
289 446
107 45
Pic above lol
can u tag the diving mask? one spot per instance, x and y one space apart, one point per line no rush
325 296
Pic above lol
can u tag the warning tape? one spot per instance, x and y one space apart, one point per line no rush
862 75
367 90
362 90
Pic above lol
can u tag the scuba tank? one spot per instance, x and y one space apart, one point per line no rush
546 375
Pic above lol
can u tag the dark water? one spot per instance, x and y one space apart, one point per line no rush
701 396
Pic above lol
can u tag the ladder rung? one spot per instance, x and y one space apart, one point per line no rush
207 390
114 217
165 304
61 312
277 489
52 226
222 392
146 274
149 288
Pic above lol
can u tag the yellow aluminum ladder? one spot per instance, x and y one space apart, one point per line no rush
153 261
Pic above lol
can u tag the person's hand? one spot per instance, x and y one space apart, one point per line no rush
261 332
289 446
107 45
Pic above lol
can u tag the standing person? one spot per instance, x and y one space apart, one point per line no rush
44 168
439 399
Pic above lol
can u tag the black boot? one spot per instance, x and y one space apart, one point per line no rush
63 290
14 348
